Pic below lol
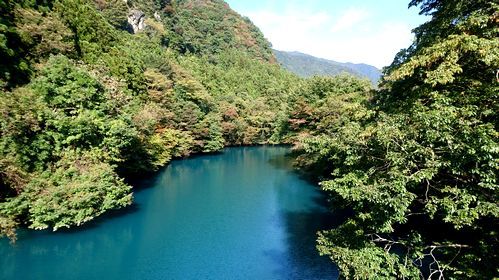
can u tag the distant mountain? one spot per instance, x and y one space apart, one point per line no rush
306 66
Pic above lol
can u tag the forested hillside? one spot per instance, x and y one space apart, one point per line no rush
95 92
305 65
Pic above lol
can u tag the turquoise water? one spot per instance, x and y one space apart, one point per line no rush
243 214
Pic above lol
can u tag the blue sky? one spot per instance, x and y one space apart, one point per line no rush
368 31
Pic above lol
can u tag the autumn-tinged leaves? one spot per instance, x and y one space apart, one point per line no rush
99 104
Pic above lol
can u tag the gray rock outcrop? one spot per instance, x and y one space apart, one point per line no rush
157 16
136 20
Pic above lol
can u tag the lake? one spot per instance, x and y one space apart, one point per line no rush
241 214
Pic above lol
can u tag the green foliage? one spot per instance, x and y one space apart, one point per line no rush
8 228
123 63
22 113
324 105
114 11
67 88
371 261
73 191
167 144
93 34
103 103
60 130
419 164
250 95
43 34
65 107
211 132
209 27
14 67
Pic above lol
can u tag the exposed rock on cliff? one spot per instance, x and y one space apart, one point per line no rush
136 20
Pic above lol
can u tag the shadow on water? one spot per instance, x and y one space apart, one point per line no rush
287 162
301 229
25 234
302 254
162 228
145 180
284 161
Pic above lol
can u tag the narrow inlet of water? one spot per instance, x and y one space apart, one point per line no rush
241 214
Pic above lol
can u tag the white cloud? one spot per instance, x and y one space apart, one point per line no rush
353 36
349 18
375 46
289 21
290 30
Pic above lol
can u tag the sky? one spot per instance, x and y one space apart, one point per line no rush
358 31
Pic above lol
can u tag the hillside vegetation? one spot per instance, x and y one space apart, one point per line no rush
210 27
86 104
89 100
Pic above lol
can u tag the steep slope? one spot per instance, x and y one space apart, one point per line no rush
93 92
211 26
306 65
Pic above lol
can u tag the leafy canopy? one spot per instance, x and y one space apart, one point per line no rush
419 165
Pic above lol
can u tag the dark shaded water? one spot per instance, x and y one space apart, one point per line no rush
243 214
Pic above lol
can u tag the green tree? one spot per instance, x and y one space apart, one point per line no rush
168 144
14 67
73 191
43 34
92 33
114 11
420 168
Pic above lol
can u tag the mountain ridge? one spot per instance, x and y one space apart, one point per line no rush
306 65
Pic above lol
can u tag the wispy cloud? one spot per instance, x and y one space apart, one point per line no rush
375 46
290 20
349 18
347 34
291 29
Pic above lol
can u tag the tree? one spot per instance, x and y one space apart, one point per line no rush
92 33
73 191
420 169
167 144
43 34
14 67
87 104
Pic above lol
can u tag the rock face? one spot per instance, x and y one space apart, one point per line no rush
136 20
157 16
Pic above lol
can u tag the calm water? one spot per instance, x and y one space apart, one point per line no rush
243 214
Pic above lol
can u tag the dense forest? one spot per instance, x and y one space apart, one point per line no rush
96 92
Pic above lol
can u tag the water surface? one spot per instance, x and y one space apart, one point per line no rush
243 214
